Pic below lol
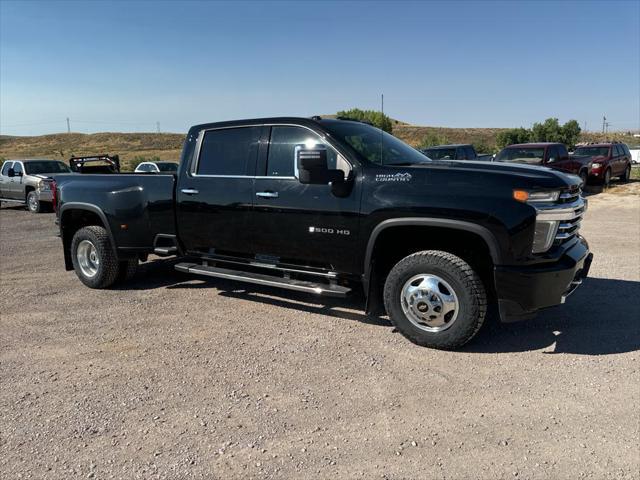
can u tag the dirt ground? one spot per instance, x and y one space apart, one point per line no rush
178 377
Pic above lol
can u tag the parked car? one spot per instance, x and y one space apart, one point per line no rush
95 164
455 152
552 155
28 182
328 206
608 160
157 167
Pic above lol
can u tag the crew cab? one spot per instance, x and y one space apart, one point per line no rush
328 207
608 160
28 182
552 155
464 151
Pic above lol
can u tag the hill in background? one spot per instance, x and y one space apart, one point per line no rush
134 148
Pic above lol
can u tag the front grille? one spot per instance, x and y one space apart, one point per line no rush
569 228
570 195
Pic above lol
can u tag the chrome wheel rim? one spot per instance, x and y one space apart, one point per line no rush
33 203
88 260
429 302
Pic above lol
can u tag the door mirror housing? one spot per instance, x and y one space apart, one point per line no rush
11 173
312 167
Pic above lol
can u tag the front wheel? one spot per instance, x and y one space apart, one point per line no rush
607 178
435 299
33 203
584 177
94 259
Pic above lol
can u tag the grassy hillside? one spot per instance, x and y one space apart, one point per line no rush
132 147
136 147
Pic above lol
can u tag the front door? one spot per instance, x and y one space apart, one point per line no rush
214 197
303 224
15 187
5 180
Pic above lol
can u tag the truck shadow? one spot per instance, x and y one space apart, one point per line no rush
601 318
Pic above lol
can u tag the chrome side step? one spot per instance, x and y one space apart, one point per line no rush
332 290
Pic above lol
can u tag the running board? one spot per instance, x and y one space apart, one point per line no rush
261 279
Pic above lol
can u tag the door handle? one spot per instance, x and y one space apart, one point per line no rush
189 191
267 194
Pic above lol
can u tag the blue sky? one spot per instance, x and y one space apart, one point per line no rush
123 66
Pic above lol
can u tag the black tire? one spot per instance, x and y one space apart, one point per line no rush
627 174
127 270
584 176
108 267
33 203
606 180
466 284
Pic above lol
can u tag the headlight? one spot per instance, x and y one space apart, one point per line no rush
42 185
536 197
596 165
544 235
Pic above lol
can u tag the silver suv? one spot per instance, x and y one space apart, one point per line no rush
28 182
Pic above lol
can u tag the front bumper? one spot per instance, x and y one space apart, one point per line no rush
522 291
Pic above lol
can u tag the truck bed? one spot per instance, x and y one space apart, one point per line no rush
137 207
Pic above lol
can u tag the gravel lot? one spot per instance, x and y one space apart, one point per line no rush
179 377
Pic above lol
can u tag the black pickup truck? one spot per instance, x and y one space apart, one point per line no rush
328 206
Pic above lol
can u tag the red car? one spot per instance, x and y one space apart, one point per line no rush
612 159
552 155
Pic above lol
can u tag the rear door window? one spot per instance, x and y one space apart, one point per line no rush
619 150
229 151
471 154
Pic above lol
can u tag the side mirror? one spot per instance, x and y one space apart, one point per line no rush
551 159
312 167
11 173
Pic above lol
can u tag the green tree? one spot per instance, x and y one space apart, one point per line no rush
431 139
571 133
548 131
513 135
377 119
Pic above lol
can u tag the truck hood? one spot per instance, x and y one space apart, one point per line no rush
532 176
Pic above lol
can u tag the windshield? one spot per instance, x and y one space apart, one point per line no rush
44 166
167 167
521 155
375 145
441 153
592 151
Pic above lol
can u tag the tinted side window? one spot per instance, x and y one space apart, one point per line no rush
562 151
6 167
229 151
619 150
17 167
626 149
471 154
284 140
552 154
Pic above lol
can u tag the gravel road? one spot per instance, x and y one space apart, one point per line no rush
179 377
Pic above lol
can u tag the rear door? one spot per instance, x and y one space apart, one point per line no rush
215 194
303 224
5 180
15 186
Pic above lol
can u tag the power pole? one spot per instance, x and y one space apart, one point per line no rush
382 102
68 126
604 121
158 126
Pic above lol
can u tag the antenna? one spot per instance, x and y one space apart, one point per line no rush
158 126
381 130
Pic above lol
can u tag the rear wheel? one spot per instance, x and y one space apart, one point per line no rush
627 174
94 259
33 203
128 269
435 299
